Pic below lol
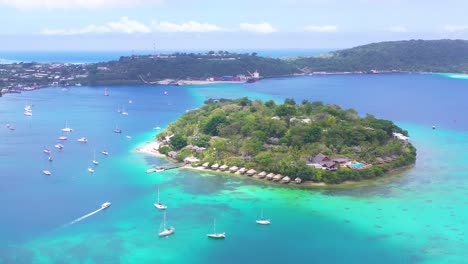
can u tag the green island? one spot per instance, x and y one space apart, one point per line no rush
307 142
449 56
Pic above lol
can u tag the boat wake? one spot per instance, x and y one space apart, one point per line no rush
84 217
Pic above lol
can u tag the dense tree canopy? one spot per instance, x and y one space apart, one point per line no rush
279 137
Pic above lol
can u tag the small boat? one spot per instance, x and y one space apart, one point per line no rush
47 172
12 128
58 146
65 89
125 113
106 93
214 234
66 128
159 205
263 221
95 162
63 138
129 137
90 170
82 140
105 205
130 101
8 125
46 151
49 158
28 113
433 127
157 128
166 231
166 93
105 152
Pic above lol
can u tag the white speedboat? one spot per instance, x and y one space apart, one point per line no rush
159 205
90 170
214 234
166 231
105 205
46 151
82 140
63 138
58 146
263 221
46 172
105 152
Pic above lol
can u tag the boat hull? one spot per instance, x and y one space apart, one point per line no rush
167 232
216 236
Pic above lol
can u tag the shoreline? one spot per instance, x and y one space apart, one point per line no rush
150 148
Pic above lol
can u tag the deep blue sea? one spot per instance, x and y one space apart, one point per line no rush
102 56
415 216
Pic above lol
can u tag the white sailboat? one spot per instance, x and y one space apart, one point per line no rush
90 170
117 130
105 152
66 128
263 221
214 234
95 162
166 231
159 205
47 172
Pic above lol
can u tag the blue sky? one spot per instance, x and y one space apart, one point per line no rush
218 24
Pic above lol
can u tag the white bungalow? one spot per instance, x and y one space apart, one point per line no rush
261 175
233 169
298 180
205 165
215 166
270 176
277 177
242 170
251 172
223 167
286 179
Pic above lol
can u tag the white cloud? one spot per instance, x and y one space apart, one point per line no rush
124 25
257 28
452 28
69 4
398 29
190 26
325 28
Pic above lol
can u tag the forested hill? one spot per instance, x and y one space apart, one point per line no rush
411 55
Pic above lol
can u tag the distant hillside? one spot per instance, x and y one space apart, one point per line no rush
411 55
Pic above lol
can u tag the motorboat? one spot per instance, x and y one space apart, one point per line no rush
105 205
105 152
90 170
82 140
46 151
58 146
46 172
129 137
63 138
28 113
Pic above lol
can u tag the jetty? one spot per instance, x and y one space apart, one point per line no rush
166 167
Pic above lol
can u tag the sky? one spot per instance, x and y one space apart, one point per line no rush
224 24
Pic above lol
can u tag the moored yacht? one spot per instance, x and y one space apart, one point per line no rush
159 205
83 140
66 128
214 234
63 138
105 152
46 172
262 221
90 170
46 151
58 146
166 231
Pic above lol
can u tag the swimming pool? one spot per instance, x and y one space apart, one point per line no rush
356 165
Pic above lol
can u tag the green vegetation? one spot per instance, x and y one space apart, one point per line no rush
412 55
280 138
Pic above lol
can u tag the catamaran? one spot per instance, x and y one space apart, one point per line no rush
214 234
262 221
159 205
166 231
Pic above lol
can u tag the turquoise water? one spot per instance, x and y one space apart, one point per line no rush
415 216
